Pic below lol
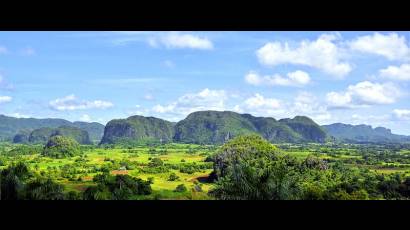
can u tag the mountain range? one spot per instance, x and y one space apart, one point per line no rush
11 126
363 134
202 127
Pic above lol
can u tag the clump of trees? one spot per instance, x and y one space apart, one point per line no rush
61 147
181 188
19 183
249 167
118 187
173 177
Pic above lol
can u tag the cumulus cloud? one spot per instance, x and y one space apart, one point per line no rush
402 113
260 102
323 53
363 94
303 104
204 100
177 40
391 46
71 102
400 73
297 78
5 99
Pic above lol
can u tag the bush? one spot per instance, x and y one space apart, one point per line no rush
180 188
155 162
173 177
119 187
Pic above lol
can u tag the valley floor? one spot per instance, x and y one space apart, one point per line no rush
170 165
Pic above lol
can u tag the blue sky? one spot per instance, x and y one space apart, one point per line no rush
349 77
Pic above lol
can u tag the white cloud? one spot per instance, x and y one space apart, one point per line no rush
5 99
297 78
323 54
85 118
391 46
3 50
308 105
402 113
401 73
177 40
204 100
303 104
71 102
364 93
260 102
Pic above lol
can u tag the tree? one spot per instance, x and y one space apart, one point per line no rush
155 162
173 177
181 188
12 181
44 189
250 168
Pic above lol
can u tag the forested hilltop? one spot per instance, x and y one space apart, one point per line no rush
216 127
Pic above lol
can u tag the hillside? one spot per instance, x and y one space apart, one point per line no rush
10 126
306 127
138 129
94 129
211 127
42 135
363 134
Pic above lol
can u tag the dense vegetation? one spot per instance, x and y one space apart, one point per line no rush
137 130
208 155
60 147
246 167
251 168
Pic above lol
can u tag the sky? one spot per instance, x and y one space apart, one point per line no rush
347 77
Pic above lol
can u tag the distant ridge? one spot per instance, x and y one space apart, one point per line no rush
11 126
203 127
363 133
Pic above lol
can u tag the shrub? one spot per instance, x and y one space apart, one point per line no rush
180 188
155 162
173 177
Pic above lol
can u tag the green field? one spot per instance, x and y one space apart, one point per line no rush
138 159
186 161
